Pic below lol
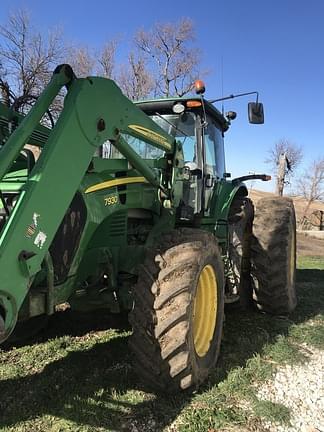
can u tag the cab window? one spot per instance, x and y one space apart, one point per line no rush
181 127
214 149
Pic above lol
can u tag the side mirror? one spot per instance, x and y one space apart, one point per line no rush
256 114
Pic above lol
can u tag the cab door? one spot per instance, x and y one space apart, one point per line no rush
214 160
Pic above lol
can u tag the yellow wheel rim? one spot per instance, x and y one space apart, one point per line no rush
205 310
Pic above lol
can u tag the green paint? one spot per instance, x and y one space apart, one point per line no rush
120 221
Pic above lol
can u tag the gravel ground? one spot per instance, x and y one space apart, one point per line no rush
301 389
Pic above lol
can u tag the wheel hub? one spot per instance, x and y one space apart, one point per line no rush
205 310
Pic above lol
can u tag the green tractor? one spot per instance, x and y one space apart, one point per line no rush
129 208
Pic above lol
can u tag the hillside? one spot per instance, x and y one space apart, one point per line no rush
299 202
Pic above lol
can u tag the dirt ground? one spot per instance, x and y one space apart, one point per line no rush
309 245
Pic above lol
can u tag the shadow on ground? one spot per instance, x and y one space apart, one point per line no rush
88 387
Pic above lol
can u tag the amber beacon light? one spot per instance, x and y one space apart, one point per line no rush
199 87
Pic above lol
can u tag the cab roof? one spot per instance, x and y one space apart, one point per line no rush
164 106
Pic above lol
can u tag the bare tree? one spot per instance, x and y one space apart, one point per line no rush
134 79
27 59
284 158
106 59
86 61
176 61
311 186
81 59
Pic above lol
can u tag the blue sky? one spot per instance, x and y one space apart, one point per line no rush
275 47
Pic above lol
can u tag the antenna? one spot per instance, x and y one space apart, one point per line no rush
222 79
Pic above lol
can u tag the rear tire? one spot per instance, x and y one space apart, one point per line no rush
178 311
273 256
240 221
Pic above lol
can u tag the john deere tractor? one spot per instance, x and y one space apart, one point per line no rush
129 208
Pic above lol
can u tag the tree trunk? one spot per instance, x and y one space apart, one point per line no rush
281 174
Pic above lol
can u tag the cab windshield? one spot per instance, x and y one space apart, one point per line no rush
181 127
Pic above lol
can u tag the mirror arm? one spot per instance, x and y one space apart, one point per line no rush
235 96
263 177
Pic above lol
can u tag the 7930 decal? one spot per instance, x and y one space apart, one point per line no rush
111 200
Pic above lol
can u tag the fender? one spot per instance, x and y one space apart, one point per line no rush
225 194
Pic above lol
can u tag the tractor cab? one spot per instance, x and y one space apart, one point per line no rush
199 127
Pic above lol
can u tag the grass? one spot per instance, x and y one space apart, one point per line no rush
310 262
77 376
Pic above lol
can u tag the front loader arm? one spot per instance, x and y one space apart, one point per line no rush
94 111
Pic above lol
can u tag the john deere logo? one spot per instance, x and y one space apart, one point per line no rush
151 135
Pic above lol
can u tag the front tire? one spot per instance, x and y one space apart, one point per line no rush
178 311
273 256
